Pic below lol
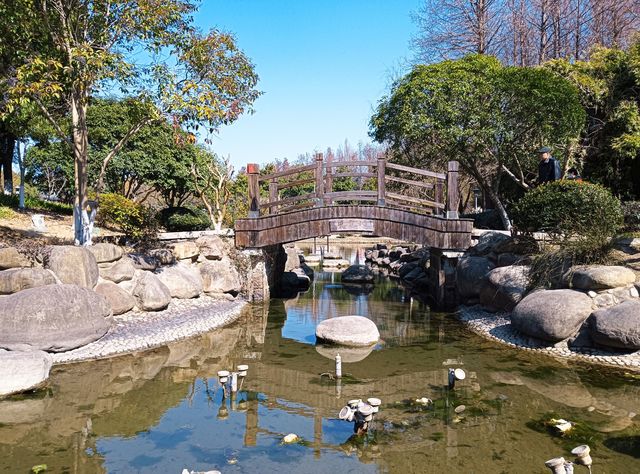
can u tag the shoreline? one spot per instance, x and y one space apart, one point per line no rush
138 331
497 327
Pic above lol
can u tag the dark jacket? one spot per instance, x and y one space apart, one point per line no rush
549 171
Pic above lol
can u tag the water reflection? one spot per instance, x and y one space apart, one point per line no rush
163 410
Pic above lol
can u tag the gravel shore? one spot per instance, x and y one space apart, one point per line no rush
136 331
497 327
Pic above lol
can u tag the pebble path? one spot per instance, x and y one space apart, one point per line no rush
135 331
497 327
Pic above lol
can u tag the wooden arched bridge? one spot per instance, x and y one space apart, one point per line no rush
393 201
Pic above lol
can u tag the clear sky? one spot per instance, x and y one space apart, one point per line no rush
323 66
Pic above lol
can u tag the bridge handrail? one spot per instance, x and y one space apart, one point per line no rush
323 193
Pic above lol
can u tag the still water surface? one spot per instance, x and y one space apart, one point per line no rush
162 411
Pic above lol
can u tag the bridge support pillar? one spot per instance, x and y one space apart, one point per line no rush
253 267
442 277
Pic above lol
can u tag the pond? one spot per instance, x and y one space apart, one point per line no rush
162 411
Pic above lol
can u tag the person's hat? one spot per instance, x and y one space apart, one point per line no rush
544 149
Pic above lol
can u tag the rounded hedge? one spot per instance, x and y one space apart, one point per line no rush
134 219
179 219
569 208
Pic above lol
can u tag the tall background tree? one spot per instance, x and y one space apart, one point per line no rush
489 117
147 49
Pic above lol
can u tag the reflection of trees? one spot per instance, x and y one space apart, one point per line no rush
120 396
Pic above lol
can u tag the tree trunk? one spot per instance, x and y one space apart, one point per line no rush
502 212
22 154
81 218
7 148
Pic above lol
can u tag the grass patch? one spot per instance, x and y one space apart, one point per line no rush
35 204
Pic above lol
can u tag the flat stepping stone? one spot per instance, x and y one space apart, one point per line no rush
348 331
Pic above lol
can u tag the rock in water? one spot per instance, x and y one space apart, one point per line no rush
23 371
618 326
73 265
601 277
18 279
348 331
551 315
358 274
52 318
119 300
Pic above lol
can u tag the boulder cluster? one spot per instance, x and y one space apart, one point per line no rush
66 296
407 263
589 306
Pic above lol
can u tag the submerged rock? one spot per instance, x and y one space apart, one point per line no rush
551 315
357 274
348 331
23 371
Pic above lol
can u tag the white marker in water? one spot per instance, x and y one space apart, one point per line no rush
338 366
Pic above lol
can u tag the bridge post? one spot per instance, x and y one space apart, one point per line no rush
381 182
273 196
452 190
328 181
253 173
319 180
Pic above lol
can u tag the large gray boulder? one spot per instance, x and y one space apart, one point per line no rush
358 274
11 258
348 331
470 275
183 281
18 279
122 270
519 245
52 318
163 256
220 276
551 315
144 262
150 293
73 265
23 371
617 326
601 277
119 300
105 252
293 259
504 287
211 247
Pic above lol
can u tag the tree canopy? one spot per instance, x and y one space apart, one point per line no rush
147 49
489 117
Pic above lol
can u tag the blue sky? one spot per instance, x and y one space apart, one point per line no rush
323 66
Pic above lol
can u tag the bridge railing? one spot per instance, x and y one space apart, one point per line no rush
380 183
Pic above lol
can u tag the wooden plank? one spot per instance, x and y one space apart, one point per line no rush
283 202
337 164
410 182
354 195
288 172
297 207
297 182
354 175
424 202
430 174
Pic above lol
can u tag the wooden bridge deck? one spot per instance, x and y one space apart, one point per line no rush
400 202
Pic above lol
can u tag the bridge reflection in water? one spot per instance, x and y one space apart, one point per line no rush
162 410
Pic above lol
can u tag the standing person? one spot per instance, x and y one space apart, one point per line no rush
549 167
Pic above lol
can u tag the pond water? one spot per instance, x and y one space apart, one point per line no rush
163 410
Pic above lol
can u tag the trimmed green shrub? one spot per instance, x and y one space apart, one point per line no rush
569 208
133 219
581 220
35 204
6 212
179 219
